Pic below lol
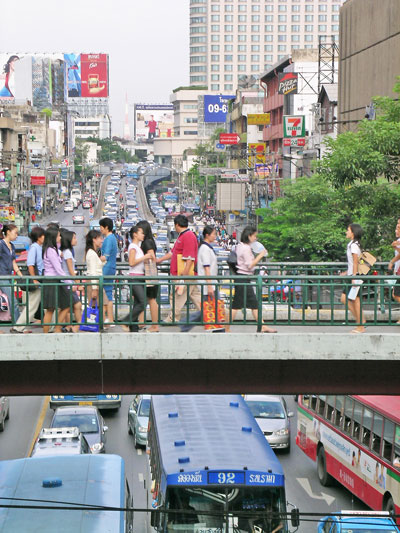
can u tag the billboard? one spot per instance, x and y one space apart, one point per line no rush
294 126
256 153
287 83
231 196
86 75
153 121
216 107
15 77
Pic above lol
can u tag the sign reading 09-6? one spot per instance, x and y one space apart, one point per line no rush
216 107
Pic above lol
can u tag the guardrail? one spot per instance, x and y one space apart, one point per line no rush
289 299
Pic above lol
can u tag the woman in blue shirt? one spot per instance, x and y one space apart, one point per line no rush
8 264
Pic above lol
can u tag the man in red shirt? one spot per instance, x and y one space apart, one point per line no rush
152 125
183 261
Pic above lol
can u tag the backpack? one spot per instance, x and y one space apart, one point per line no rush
232 261
5 312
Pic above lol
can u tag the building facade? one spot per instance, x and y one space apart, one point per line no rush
369 56
234 41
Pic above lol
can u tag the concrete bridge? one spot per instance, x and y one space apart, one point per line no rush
298 359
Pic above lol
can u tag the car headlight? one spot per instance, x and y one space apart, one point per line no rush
142 429
108 396
97 447
114 396
281 432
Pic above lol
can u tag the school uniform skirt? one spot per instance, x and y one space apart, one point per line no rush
55 294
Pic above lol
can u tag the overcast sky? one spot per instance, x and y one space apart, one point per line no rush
147 41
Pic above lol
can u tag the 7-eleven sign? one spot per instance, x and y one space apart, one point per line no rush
294 126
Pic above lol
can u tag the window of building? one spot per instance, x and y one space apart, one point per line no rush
322 27
255 8
228 18
335 8
228 57
228 38
214 18
215 68
228 77
215 7
228 48
241 68
323 8
189 106
228 68
228 27
282 38
198 49
241 57
269 18
309 18
295 18
295 38
308 46
282 8
335 18
268 58
295 28
295 9
255 38
268 48
215 27
282 18
255 68
215 48
269 28
198 40
228 87
242 8
214 38
242 38
268 38
255 57
215 57
267 66
281 47
242 48
242 27
322 18
242 18
295 46
255 18
198 29
214 87
335 27
269 9
195 10
309 8
281 56
282 27
308 27
190 132
228 8
198 20
322 38
198 59
190 120
197 78
308 38
214 77
255 27
198 68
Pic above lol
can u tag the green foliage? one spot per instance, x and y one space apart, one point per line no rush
112 151
309 223
373 151
47 111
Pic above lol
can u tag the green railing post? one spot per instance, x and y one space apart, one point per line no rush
101 302
259 282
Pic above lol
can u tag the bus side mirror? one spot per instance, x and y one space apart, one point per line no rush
295 517
155 519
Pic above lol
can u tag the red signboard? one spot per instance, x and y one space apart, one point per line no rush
38 180
229 138
295 141
94 76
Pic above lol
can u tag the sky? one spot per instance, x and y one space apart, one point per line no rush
147 42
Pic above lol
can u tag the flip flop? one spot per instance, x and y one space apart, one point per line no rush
356 331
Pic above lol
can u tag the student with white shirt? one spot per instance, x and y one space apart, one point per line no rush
354 234
136 259
68 241
94 266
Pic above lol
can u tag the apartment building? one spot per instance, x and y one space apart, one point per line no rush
232 41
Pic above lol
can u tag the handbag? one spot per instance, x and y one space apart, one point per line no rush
5 311
210 305
232 261
150 270
365 262
90 318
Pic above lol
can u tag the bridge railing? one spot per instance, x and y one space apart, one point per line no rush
283 296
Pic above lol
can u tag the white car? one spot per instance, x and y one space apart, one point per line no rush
68 207
78 219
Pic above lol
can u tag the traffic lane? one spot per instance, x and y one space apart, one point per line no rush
18 434
303 488
136 461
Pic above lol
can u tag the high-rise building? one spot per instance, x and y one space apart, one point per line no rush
233 40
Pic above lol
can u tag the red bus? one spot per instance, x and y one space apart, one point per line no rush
355 440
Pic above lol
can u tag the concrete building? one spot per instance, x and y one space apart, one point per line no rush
92 127
232 41
369 56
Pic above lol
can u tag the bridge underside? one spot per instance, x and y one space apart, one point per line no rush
200 363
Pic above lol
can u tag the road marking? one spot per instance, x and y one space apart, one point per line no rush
305 484
39 424
141 477
139 451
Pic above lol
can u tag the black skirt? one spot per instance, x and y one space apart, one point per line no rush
152 292
245 289
55 295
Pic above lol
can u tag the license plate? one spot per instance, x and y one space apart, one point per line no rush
85 403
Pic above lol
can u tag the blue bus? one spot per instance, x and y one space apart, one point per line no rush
212 468
102 401
78 480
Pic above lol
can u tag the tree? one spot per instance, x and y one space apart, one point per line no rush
373 151
111 150
309 223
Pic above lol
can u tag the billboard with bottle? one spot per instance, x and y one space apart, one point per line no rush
86 75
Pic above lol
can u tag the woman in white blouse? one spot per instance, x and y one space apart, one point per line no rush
94 265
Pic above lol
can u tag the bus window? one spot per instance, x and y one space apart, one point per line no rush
366 427
377 433
313 402
330 402
338 416
396 459
348 414
357 417
388 431
321 405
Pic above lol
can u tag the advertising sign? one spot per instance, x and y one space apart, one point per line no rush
256 153
294 126
231 196
229 138
216 107
7 213
288 83
72 65
15 77
94 75
153 121
258 119
295 141
38 180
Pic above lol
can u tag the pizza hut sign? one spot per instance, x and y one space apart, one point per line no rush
287 83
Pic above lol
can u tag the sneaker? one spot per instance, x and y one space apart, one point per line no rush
108 323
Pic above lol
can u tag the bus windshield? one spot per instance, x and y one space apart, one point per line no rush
266 409
249 509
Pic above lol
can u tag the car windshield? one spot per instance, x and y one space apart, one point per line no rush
86 423
260 409
144 409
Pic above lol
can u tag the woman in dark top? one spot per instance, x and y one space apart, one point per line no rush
8 264
151 292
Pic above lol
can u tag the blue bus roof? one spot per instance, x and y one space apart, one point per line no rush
88 479
358 522
202 435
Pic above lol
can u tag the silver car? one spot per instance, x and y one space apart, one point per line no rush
138 418
273 418
4 411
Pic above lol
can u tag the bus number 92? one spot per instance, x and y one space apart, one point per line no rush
226 477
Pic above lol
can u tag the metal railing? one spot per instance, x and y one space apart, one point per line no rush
286 294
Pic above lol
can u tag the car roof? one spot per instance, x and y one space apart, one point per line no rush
262 398
77 410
